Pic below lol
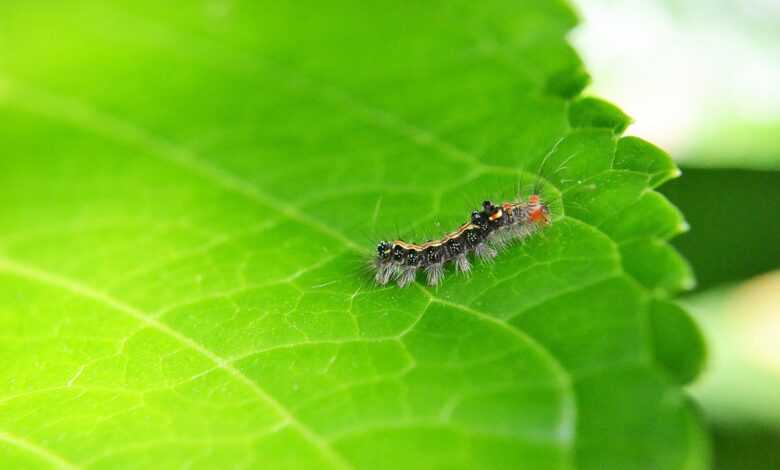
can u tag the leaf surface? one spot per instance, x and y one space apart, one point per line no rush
190 196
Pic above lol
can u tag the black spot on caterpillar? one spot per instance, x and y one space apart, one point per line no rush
488 230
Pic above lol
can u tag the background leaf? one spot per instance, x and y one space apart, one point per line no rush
729 215
189 198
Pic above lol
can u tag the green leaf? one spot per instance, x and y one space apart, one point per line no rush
189 199
674 335
593 112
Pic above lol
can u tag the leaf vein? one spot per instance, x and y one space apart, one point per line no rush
34 274
43 453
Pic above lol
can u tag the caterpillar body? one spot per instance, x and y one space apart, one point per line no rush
488 230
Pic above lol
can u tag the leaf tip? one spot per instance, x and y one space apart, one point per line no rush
595 112
568 83
639 155
688 282
678 344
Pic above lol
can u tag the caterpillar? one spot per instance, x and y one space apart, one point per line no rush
488 230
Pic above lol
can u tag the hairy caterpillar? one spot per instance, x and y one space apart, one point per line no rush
489 229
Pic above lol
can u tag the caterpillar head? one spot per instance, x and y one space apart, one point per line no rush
538 211
383 250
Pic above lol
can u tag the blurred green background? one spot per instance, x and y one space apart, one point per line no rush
701 77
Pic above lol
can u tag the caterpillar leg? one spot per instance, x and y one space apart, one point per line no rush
501 238
521 231
384 272
407 275
435 273
462 263
485 252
